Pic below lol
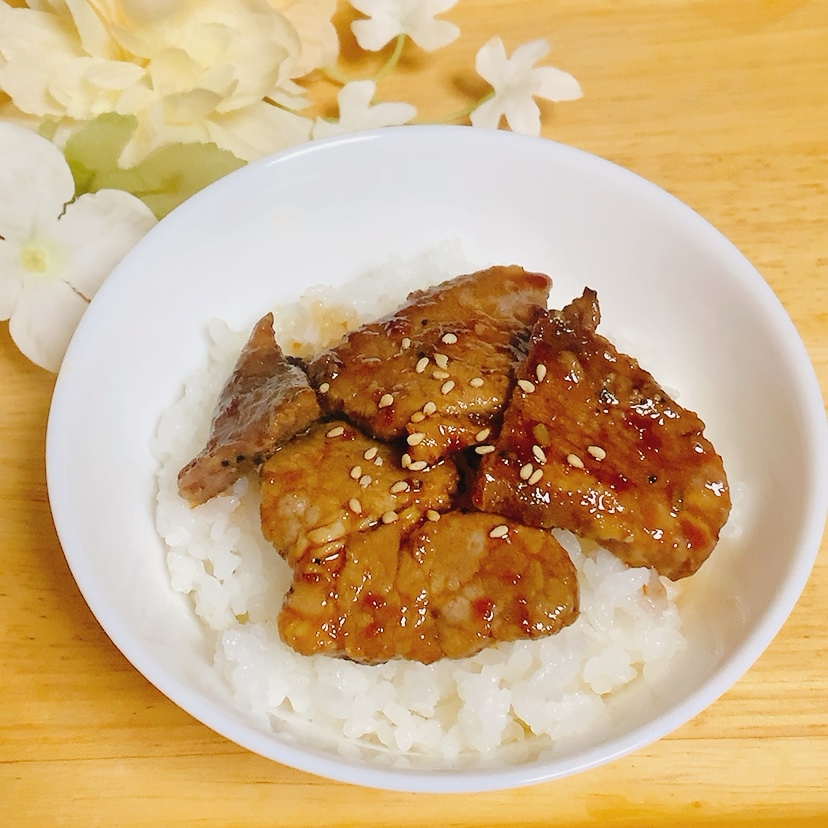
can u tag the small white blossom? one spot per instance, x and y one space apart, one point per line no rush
388 19
356 111
516 82
54 252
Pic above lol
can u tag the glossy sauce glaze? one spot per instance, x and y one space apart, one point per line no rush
591 443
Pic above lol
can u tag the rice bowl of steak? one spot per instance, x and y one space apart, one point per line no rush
624 653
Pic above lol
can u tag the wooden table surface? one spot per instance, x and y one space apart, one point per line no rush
724 103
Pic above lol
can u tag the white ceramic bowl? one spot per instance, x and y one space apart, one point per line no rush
704 320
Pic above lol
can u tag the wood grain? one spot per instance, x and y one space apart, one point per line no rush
724 103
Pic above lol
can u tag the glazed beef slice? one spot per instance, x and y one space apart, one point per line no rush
591 443
265 402
437 371
444 589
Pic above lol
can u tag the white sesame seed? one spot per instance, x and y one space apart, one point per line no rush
389 517
336 431
370 453
476 382
433 515
326 534
526 386
378 461
447 386
405 460
417 417
449 338
574 461
536 475
421 365
484 449
356 472
499 531
441 360
355 506
418 465
399 486
538 454
440 374
385 401
406 343
597 452
482 434
526 471
325 387
429 408
415 438
365 481
540 371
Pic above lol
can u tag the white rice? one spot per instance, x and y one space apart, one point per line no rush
511 702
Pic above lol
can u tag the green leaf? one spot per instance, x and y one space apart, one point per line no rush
165 178
93 151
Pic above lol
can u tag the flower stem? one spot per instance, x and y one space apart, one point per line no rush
392 60
459 115
340 77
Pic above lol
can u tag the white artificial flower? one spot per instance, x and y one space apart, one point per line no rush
317 35
189 70
388 19
54 252
516 82
356 111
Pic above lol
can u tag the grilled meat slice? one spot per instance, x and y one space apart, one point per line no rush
437 371
334 481
591 443
265 402
445 589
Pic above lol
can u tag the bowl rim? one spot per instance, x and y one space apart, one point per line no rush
467 779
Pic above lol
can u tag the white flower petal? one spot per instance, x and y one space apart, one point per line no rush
391 113
434 35
312 21
93 35
34 47
487 115
96 232
357 113
516 81
389 18
491 62
114 74
47 313
24 31
90 86
11 279
522 115
289 95
370 8
527 55
372 35
557 85
258 131
36 172
355 97
439 6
